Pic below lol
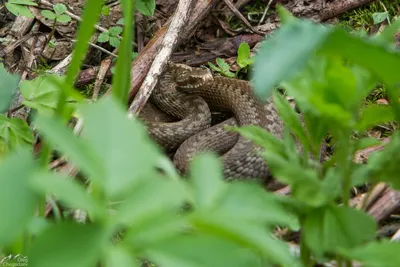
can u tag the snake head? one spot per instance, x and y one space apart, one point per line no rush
191 78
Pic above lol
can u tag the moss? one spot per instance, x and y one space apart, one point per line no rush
361 18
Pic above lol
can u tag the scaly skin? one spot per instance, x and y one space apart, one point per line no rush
240 158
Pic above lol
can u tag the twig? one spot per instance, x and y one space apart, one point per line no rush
265 12
161 60
100 48
239 15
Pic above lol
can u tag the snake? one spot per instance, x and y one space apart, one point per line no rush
189 96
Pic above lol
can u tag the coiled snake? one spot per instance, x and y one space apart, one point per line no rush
189 95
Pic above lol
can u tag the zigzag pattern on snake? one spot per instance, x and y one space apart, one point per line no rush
189 95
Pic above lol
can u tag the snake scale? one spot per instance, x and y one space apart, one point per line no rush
189 96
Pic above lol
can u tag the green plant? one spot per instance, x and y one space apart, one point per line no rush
222 68
329 75
19 7
139 207
57 16
112 36
243 60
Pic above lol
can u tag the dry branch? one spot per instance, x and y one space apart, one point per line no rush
168 45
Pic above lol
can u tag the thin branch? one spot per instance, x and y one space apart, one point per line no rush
168 45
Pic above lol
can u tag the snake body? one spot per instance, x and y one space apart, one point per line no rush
189 94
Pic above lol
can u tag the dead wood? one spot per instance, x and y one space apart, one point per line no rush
169 43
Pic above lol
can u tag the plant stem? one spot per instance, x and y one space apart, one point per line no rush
53 29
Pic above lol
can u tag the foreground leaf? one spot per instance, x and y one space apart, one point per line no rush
375 254
333 227
68 244
17 200
127 151
14 133
286 54
7 89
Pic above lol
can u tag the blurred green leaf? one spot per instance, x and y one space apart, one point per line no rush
90 15
48 14
375 254
63 18
332 227
59 8
210 251
207 177
120 256
379 17
114 31
373 115
146 7
70 244
41 93
8 87
62 139
284 55
18 201
121 80
243 58
14 133
118 144
103 37
17 7
380 59
68 191
290 118
114 41
381 164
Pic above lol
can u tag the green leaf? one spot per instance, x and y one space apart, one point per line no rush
103 37
380 61
332 227
248 235
261 137
207 177
379 17
284 55
243 55
68 191
115 31
150 209
121 80
19 10
178 251
18 200
105 11
117 143
119 256
14 133
146 7
373 115
375 254
48 14
23 2
59 9
90 16
61 138
305 183
40 93
71 244
223 65
63 18
215 68
381 164
9 84
114 41
290 118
